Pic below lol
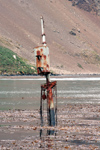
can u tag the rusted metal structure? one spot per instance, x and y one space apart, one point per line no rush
42 55
49 89
42 60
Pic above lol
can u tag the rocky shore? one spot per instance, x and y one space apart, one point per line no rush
78 128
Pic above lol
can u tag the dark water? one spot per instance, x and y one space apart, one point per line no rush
25 93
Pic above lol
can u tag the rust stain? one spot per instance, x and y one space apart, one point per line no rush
38 52
42 60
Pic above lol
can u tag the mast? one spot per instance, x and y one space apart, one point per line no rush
43 33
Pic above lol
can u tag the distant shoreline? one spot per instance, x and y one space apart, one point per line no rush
51 76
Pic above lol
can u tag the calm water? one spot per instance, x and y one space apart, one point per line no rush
25 93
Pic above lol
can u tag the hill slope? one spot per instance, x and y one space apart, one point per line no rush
11 64
72 34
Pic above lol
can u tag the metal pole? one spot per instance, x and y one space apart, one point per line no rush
43 33
41 113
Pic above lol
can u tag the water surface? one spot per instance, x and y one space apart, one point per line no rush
24 93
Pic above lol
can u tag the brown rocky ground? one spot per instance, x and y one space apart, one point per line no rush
70 53
78 128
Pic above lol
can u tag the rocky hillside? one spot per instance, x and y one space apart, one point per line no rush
72 33
88 5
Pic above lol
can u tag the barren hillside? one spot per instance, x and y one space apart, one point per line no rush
72 33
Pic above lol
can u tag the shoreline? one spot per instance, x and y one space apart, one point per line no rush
51 76
77 128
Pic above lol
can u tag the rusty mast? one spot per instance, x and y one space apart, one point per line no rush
49 89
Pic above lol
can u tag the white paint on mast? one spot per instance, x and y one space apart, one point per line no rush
43 33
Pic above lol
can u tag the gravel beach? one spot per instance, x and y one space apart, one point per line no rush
78 128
